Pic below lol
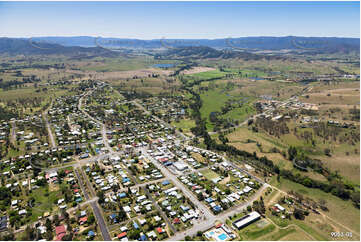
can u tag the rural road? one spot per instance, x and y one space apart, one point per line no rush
51 136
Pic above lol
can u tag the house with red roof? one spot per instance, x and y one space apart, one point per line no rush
122 235
83 220
163 159
160 230
60 232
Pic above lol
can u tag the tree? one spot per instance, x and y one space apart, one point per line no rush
355 197
48 225
323 204
100 195
292 152
134 234
91 219
299 214
188 238
200 196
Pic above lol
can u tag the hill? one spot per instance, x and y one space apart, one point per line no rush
13 46
204 52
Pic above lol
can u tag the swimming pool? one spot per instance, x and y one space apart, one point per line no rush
222 236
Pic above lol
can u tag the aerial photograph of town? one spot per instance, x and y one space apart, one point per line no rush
180 121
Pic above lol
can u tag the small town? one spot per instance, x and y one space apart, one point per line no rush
180 121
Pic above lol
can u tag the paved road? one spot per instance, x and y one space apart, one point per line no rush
101 221
97 212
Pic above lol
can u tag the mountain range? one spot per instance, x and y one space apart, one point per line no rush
79 45
256 43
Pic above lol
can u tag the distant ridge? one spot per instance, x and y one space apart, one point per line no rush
329 44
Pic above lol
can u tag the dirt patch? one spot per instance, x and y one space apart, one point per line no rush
197 69
225 180
53 187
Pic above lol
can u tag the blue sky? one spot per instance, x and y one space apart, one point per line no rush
154 20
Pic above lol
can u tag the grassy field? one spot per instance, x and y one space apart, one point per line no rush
254 232
240 137
120 64
213 101
207 75
279 235
184 124
209 174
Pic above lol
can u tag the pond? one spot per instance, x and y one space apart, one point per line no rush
164 65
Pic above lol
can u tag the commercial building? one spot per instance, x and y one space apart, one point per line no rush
246 220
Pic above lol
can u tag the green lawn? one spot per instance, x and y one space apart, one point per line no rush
255 230
184 124
209 174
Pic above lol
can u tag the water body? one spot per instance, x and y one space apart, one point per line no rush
163 65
